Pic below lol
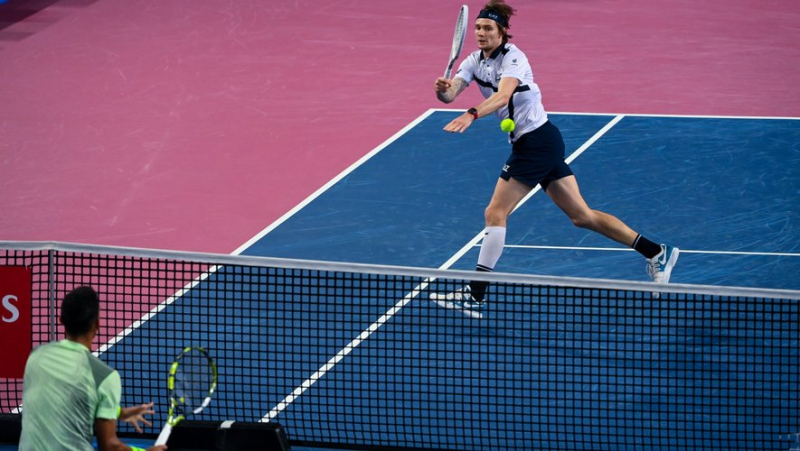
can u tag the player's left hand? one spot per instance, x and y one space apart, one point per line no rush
460 123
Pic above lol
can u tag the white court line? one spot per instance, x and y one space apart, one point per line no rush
688 116
627 249
477 238
308 383
146 317
350 169
297 392
332 182
361 161
189 286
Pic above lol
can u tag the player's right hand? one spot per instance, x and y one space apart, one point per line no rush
442 84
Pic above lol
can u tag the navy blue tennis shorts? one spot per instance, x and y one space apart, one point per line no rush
537 157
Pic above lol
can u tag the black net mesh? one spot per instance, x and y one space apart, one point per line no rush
364 359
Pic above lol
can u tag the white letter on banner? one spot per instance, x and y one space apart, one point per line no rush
11 308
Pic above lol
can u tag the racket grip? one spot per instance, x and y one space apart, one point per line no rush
164 435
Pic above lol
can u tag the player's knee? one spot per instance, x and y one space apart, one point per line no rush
494 216
583 221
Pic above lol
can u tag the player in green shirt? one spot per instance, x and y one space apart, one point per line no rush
68 392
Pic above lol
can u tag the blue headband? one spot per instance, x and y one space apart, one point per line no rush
489 14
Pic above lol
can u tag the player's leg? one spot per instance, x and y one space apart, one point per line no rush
567 196
507 194
470 298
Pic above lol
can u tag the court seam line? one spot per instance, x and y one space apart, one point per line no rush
686 116
320 373
627 249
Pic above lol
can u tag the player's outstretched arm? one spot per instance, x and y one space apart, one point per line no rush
499 99
488 106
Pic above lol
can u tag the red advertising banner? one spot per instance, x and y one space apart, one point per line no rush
15 320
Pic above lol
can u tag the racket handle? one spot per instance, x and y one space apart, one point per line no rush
164 435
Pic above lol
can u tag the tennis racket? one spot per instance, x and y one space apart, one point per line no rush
192 380
458 39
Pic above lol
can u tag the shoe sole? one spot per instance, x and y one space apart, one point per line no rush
673 258
463 311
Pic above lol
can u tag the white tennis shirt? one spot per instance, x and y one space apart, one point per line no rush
525 107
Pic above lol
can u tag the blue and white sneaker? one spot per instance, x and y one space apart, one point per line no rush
660 267
462 301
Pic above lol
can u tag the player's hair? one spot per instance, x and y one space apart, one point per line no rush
79 311
505 11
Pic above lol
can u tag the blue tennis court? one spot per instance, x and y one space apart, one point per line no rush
355 360
722 189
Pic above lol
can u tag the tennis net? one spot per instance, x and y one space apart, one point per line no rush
355 356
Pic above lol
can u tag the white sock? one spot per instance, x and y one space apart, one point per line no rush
492 247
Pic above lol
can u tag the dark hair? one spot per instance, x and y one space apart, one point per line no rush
79 311
505 11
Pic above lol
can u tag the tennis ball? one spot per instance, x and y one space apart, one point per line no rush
507 125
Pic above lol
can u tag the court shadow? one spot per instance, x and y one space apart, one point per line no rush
13 12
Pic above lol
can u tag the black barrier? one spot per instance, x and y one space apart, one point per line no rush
228 436
10 428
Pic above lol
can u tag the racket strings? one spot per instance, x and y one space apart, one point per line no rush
458 39
193 381
459 35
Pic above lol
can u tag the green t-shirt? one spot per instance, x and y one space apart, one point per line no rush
65 389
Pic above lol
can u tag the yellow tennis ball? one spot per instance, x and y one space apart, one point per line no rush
507 125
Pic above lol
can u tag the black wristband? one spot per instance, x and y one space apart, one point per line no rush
473 112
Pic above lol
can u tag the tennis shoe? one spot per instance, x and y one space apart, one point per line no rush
660 267
461 300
